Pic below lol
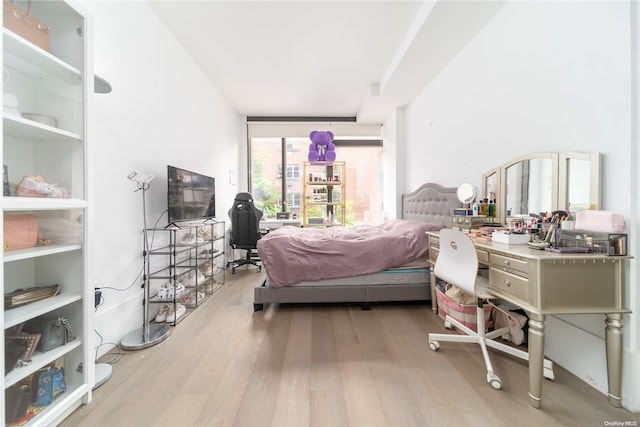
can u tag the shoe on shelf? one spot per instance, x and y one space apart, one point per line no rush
179 289
163 292
208 286
174 315
204 235
188 280
187 299
180 311
171 314
189 239
209 269
161 315
174 291
201 278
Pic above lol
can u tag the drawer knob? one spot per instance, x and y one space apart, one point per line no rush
507 283
507 264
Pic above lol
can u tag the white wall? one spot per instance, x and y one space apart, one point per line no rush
392 183
541 76
162 110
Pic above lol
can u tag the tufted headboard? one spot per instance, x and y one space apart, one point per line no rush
431 203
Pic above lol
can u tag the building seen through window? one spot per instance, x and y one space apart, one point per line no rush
276 177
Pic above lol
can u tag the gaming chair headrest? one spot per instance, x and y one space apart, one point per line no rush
244 197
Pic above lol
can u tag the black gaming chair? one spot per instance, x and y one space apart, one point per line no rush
245 230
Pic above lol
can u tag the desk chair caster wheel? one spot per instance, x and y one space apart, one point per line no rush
434 345
233 267
494 381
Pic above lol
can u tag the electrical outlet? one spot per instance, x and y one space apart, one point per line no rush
98 298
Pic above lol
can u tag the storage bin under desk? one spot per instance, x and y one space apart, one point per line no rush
464 313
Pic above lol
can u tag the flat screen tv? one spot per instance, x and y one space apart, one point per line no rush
190 196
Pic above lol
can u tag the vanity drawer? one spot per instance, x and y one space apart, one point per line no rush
509 283
510 265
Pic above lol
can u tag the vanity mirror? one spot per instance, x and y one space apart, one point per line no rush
580 173
530 184
491 188
544 182
466 194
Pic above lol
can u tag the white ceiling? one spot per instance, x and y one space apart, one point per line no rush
323 58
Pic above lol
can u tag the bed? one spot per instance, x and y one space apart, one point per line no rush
431 204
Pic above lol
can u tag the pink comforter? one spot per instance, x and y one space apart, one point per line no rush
291 255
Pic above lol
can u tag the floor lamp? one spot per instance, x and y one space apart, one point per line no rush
148 335
102 370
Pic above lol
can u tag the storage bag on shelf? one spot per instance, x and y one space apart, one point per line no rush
17 400
24 24
20 231
54 332
27 295
49 383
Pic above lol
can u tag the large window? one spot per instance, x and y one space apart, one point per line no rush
293 171
275 190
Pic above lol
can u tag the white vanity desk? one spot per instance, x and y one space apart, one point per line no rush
544 283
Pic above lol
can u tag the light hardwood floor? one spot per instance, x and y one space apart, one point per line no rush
326 365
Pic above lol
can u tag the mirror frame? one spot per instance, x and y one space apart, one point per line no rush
595 177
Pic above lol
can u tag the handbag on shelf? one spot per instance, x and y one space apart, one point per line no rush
20 231
54 333
24 24
13 352
17 400
19 349
27 295
32 186
49 383
36 186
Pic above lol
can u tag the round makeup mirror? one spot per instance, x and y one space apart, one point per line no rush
466 193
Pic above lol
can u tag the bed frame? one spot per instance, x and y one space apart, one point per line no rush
431 203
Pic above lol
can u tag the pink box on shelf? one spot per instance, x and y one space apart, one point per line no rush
599 221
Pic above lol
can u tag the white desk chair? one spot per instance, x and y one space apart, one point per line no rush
457 264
